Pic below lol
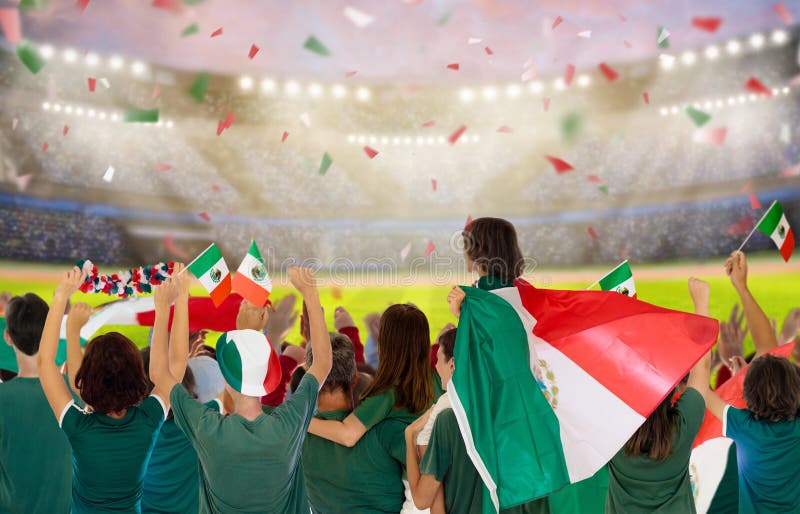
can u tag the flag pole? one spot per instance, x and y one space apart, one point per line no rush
755 226
607 274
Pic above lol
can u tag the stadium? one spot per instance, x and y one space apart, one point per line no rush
133 133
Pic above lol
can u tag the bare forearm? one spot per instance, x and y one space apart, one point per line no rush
179 339
320 340
48 345
159 355
347 432
758 323
74 356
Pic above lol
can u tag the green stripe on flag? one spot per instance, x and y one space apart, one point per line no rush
254 251
141 116
771 219
205 261
617 276
30 57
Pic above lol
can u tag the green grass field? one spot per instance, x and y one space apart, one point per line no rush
776 291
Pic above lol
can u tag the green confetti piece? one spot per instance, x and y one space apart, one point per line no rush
29 5
325 164
191 29
570 126
30 57
193 2
315 45
603 189
699 118
444 19
141 116
662 38
199 87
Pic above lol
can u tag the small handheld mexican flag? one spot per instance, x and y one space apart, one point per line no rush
210 269
252 280
775 225
620 279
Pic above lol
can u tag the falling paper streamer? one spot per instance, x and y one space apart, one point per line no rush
284 136
474 40
457 134
646 97
204 216
505 129
698 117
108 176
174 6
169 244
216 188
325 164
746 188
622 18
65 130
306 119
627 44
156 92
350 74
557 22
468 223
546 104
783 12
603 189
359 18
199 87
592 233
594 179
160 166
140 116
371 153
786 134
528 74
429 123
434 184
313 44
609 72
405 251
253 51
488 51
754 203
82 4
430 248
707 24
714 136
92 83
569 73
559 165
217 32
9 22
791 171
586 34
189 30
30 57
27 5
45 146
453 66
14 124
755 86
570 127
23 181
663 38
104 81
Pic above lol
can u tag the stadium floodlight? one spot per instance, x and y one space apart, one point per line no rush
396 141
513 90
339 91
430 140
559 84
476 138
667 61
138 67
92 59
733 47
407 140
688 58
57 107
363 94
731 100
101 115
584 80
779 37
420 140
785 90
720 103
351 138
707 104
757 41
46 106
68 109
315 90
536 87
114 116
362 140
70 55
384 140
79 111
291 88
466 95
440 140
663 111
116 62
373 140
674 109
711 52
489 93
741 99
246 83
170 124
46 51
268 86
90 113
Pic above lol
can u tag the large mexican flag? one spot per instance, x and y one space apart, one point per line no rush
548 385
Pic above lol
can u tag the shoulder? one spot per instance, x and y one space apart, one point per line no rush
446 419
153 408
691 403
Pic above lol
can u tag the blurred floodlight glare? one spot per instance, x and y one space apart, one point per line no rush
466 94
757 41
246 83
363 94
779 37
46 51
688 58
711 52
733 47
70 55
116 62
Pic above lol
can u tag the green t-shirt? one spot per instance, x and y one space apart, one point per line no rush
768 454
35 457
375 409
8 359
172 482
364 479
249 466
447 460
637 484
110 455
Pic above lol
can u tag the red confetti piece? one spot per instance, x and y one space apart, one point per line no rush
434 184
791 171
624 253
568 74
755 86
556 23
45 146
216 188
204 216
716 136
168 5
23 181
609 73
741 227
646 98
505 129
488 51
430 248
14 124
784 13
528 74
217 32
253 51
453 66
546 104
457 134
627 44
92 83
284 136
65 130
160 166
371 152
594 179
707 24
169 244
622 18
559 165
592 233
156 92
350 74
429 123
228 121
220 127
746 188
9 22
468 223
754 203
82 4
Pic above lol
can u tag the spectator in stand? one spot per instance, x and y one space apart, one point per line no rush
373 322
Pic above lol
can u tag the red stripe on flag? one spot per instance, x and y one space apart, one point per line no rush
203 314
222 291
251 291
788 245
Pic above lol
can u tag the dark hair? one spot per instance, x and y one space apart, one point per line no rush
772 388
25 317
404 345
297 375
111 377
189 383
447 342
343 365
364 381
654 437
491 243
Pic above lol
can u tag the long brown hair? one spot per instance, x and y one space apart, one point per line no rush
772 388
491 243
404 348
654 437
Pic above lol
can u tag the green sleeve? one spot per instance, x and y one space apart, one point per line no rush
375 409
73 420
692 409
439 455
153 409
214 405
191 416
290 419
392 436
732 421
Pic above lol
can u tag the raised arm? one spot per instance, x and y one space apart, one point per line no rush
757 322
164 294
56 391
700 375
79 314
179 334
304 281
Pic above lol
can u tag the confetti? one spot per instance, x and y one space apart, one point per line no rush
169 244
622 18
82 5
140 116
65 130
624 253
559 165
104 81
603 189
663 38
220 127
646 98
325 164
30 57
23 181
9 22
216 188
474 40
434 184
714 136
592 233
284 136
546 104
488 51
569 73
359 18
791 171
306 119
594 179
156 92
755 86
505 129
666 59
160 166
199 87
457 134
754 203
217 32
405 251
204 216
313 44
556 23
783 12
27 5
627 44
586 34
350 74
45 146
528 74
229 119
746 188
371 153
707 24
445 18
108 176
786 134
741 227
14 124
609 73
468 223
429 123
430 248
92 83
699 118
190 29
253 51
570 126
453 66
168 5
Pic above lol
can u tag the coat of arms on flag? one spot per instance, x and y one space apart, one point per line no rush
211 270
252 280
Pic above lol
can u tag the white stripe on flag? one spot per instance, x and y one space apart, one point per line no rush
776 236
707 465
205 279
246 267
